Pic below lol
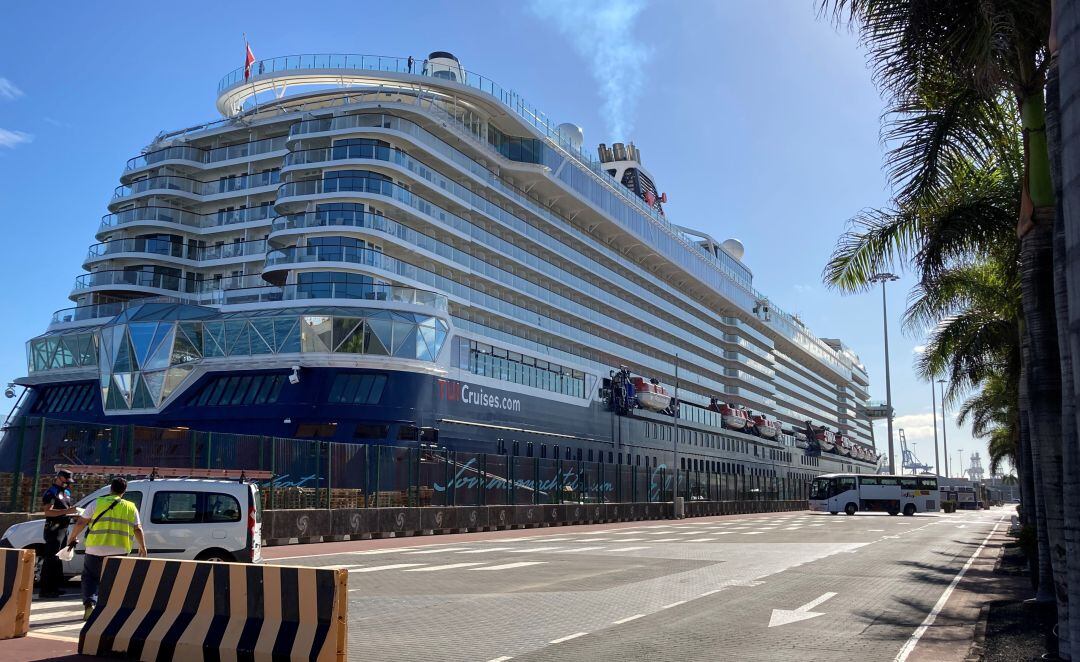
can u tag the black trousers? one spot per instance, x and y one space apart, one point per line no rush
52 568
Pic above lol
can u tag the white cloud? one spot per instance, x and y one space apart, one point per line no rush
603 33
8 90
10 139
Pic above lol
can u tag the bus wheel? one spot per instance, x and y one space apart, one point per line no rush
850 509
909 510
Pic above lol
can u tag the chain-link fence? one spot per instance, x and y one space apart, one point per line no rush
322 474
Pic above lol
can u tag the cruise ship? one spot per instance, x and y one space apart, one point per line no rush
399 251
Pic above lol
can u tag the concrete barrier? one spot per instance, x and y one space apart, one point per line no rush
16 590
153 609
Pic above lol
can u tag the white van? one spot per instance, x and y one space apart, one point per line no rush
182 518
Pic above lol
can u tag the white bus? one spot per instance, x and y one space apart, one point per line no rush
851 493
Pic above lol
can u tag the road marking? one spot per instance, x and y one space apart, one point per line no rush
629 533
367 553
875 530
702 540
785 616
751 533
792 528
504 658
666 540
628 619
674 604
54 637
633 539
485 551
507 566
448 566
529 550
932 616
573 636
572 550
437 551
715 590
626 549
392 566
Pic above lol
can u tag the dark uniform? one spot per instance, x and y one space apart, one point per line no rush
52 569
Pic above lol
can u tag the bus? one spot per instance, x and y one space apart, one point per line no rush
851 493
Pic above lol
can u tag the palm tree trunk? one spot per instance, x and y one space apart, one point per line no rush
1042 572
1065 39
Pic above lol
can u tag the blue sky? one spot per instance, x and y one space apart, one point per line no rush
759 121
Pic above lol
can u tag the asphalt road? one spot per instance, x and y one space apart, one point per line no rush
781 586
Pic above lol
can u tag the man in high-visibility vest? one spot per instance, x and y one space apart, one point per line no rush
112 523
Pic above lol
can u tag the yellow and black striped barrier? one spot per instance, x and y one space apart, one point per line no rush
153 609
16 591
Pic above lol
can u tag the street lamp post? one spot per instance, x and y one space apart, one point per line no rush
944 425
933 403
675 443
887 278
960 466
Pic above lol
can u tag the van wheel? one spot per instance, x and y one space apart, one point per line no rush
909 510
215 556
850 509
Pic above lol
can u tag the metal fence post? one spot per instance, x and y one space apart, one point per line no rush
273 469
446 477
209 449
378 472
16 484
481 498
511 496
536 481
329 474
37 466
558 469
131 445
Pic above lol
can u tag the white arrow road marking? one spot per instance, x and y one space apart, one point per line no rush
785 616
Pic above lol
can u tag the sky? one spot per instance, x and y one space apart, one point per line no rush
758 119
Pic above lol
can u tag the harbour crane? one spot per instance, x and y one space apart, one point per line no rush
910 461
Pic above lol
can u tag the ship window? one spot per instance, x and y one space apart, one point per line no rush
240 390
543 451
609 457
529 449
579 455
408 432
364 389
517 448
372 431
315 430
590 455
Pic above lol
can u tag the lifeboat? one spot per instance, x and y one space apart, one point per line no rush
766 428
650 394
825 438
734 418
800 439
843 445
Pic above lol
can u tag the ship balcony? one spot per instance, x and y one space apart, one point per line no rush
194 190
285 229
96 312
170 218
198 158
127 284
348 258
172 252
393 296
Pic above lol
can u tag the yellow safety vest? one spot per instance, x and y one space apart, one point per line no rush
116 528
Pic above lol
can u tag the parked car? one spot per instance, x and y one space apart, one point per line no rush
182 518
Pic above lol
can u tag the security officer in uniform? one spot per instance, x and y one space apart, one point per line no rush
57 508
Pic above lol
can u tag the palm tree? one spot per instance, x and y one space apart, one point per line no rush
953 71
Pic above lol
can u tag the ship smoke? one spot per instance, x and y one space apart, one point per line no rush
601 31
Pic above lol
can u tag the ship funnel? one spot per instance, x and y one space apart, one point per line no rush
619 150
605 154
572 134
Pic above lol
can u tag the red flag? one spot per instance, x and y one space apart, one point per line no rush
249 59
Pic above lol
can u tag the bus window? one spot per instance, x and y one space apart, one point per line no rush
821 488
909 483
889 480
928 483
845 483
869 480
